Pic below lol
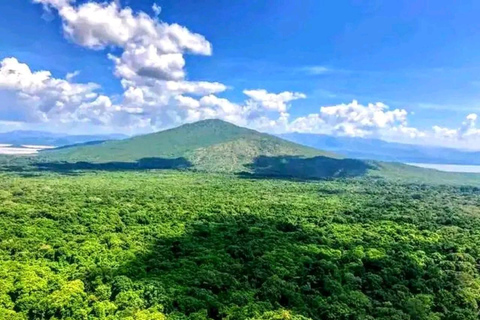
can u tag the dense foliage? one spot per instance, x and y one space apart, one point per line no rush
173 245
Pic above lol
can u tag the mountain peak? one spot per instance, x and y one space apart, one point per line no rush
214 144
212 123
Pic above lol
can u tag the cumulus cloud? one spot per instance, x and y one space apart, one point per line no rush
39 97
355 118
150 65
151 68
467 131
150 48
98 25
469 126
148 56
352 119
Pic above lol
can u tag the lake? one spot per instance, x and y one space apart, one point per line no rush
449 167
21 150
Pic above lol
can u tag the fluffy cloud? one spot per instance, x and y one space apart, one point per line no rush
467 131
151 68
148 59
156 9
469 127
353 119
99 25
39 97
150 48
151 64
271 101
155 104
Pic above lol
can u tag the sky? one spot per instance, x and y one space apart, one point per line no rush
396 70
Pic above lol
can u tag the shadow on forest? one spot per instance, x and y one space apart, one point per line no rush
216 259
276 262
72 167
294 167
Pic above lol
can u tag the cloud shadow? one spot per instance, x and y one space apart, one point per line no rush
73 167
295 167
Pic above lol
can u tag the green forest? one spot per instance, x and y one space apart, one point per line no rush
188 245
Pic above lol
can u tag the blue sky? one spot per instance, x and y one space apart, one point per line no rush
419 56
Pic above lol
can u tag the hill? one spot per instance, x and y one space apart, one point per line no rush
210 145
219 146
376 149
26 137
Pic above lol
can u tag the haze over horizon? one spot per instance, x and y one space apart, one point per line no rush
396 71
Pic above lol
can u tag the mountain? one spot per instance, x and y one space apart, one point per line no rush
221 147
24 137
211 145
375 149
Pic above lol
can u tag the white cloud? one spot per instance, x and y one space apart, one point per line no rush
69 76
271 101
444 132
312 123
150 65
151 68
98 25
469 127
148 56
150 48
353 119
145 61
39 97
363 118
467 131
407 132
156 9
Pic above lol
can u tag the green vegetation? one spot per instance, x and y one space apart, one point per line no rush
220 147
207 145
185 245
250 227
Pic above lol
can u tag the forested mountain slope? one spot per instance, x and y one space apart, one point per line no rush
210 144
219 146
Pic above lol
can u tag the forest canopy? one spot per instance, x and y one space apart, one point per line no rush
185 245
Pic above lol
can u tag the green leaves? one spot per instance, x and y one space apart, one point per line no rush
170 245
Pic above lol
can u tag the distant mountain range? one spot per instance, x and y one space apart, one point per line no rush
22 137
375 149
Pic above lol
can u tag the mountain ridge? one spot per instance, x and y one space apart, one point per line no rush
212 145
217 146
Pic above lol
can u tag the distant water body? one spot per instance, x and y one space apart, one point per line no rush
21 150
448 167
